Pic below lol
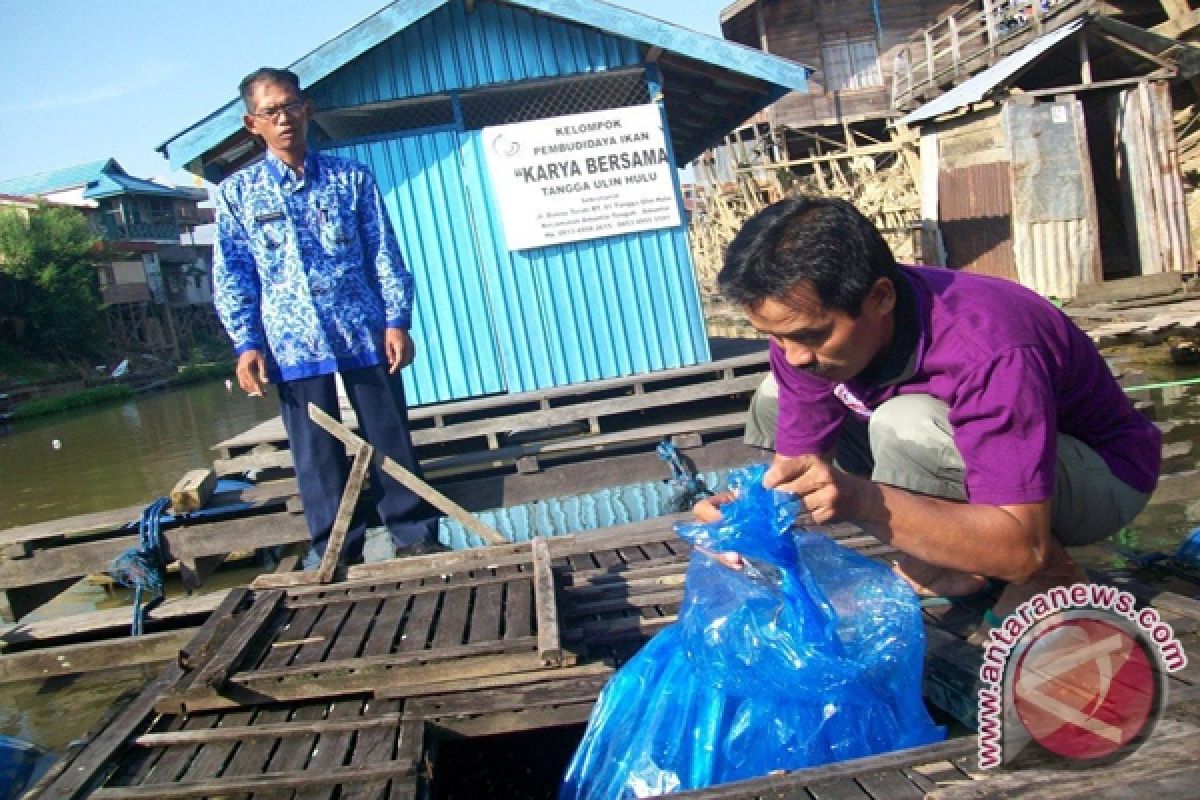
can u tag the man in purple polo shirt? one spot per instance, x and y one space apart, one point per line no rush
961 418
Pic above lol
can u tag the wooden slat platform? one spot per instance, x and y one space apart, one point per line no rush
350 688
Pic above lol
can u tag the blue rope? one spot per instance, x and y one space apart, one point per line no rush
689 487
143 568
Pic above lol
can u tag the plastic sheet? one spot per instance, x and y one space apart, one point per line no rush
807 655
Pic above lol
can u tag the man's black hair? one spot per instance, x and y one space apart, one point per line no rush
283 77
821 240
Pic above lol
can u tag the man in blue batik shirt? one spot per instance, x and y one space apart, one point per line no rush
310 283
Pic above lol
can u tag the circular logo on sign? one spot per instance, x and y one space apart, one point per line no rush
1085 688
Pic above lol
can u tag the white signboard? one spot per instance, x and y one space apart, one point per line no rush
583 176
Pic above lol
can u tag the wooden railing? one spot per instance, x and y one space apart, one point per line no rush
973 37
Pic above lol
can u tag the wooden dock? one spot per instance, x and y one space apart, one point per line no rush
359 689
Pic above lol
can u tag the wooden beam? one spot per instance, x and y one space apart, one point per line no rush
193 490
545 605
345 512
75 659
410 481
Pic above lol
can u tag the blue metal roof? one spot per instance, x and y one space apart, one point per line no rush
55 180
762 78
100 178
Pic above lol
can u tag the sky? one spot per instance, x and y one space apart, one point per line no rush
82 80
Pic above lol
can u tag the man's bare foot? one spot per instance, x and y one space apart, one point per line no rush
930 581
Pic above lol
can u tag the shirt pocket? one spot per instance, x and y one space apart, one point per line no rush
339 231
268 234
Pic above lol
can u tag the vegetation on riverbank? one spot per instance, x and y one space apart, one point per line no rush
191 374
99 395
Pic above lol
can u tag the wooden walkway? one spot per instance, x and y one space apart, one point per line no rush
355 689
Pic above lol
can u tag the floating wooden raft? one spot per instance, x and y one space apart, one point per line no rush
351 688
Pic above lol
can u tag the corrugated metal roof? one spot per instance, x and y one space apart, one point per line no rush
102 179
980 86
55 180
737 81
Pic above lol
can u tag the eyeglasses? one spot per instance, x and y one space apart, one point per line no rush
273 112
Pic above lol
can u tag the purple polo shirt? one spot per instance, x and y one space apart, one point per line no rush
1013 371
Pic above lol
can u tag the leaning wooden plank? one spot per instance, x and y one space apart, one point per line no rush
257 783
214 673
17 601
345 512
99 752
545 605
75 659
409 480
193 490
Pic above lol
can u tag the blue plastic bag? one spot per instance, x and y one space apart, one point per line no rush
809 654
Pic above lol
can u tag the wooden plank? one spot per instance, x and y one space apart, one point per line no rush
419 623
545 605
322 777
518 608
435 465
374 746
349 501
485 612
452 621
409 481
75 659
214 755
387 626
218 669
953 748
193 490
254 752
201 539
17 601
263 729
101 749
292 752
272 431
412 680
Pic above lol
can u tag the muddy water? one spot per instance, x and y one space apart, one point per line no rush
119 455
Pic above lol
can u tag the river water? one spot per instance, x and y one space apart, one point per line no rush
108 457
119 455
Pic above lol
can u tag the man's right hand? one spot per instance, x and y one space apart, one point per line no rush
252 372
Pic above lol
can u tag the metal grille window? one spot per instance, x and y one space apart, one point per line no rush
850 63
530 100
376 119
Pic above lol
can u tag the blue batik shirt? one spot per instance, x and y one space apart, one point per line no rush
307 269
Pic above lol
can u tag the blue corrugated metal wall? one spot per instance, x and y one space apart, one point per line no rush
575 312
421 179
544 317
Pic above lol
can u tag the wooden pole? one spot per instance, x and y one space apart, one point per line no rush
410 481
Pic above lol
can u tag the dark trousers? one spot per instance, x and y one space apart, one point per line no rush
322 467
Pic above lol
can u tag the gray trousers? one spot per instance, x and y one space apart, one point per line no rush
909 443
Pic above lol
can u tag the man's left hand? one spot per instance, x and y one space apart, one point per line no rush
399 348
828 493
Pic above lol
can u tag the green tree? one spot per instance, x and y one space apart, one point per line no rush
51 298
